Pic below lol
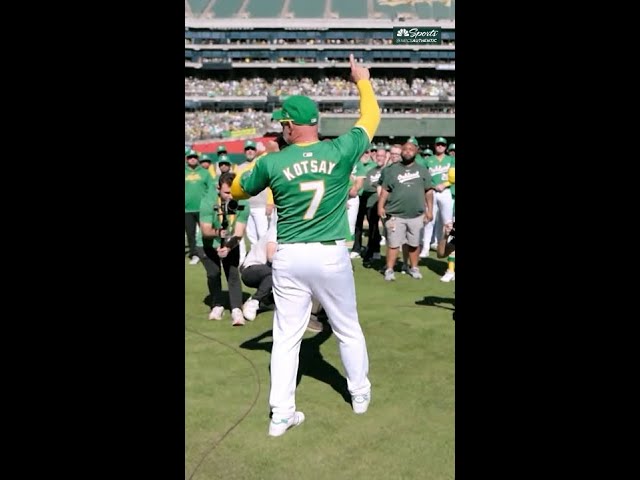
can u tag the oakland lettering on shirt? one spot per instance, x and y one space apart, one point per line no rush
405 177
308 166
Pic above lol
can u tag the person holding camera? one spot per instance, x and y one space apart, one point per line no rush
223 222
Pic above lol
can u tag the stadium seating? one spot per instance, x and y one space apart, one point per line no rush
440 9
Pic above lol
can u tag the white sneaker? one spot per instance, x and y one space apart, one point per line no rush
216 313
448 276
389 275
434 246
383 241
360 403
415 273
250 309
279 427
194 260
424 254
237 318
353 255
376 256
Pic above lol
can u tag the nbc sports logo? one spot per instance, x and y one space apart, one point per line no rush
403 32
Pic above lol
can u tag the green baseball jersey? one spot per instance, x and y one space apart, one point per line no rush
439 170
197 181
209 214
310 184
406 186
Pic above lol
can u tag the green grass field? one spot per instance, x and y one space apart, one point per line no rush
408 432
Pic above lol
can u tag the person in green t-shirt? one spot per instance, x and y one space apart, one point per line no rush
223 222
405 205
365 164
197 181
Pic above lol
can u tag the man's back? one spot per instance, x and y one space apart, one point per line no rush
310 183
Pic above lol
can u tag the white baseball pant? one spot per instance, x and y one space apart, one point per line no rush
442 214
352 213
257 225
300 271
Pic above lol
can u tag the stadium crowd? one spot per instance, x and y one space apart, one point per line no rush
334 86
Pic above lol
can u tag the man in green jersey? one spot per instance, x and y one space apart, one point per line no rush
197 181
438 165
310 182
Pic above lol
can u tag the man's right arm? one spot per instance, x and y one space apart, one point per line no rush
369 110
354 143
251 181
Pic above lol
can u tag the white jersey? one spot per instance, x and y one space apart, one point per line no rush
260 200
258 253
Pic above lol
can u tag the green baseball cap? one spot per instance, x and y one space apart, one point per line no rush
440 140
249 144
428 151
451 147
206 157
224 159
413 140
299 109
221 148
192 154
387 147
372 147
187 150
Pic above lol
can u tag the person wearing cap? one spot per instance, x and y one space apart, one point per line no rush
420 160
451 150
224 165
310 183
439 165
261 204
206 163
221 150
405 205
197 181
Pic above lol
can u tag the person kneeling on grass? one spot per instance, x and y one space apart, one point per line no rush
256 273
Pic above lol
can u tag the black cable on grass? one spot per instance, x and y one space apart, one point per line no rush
253 404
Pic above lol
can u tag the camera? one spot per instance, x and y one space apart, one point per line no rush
230 207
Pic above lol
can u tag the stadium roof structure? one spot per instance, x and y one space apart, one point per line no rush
331 13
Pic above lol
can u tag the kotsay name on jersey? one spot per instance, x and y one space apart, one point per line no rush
308 166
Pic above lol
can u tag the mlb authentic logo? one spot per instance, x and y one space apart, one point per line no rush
417 35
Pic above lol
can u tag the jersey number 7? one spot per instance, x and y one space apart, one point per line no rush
317 187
